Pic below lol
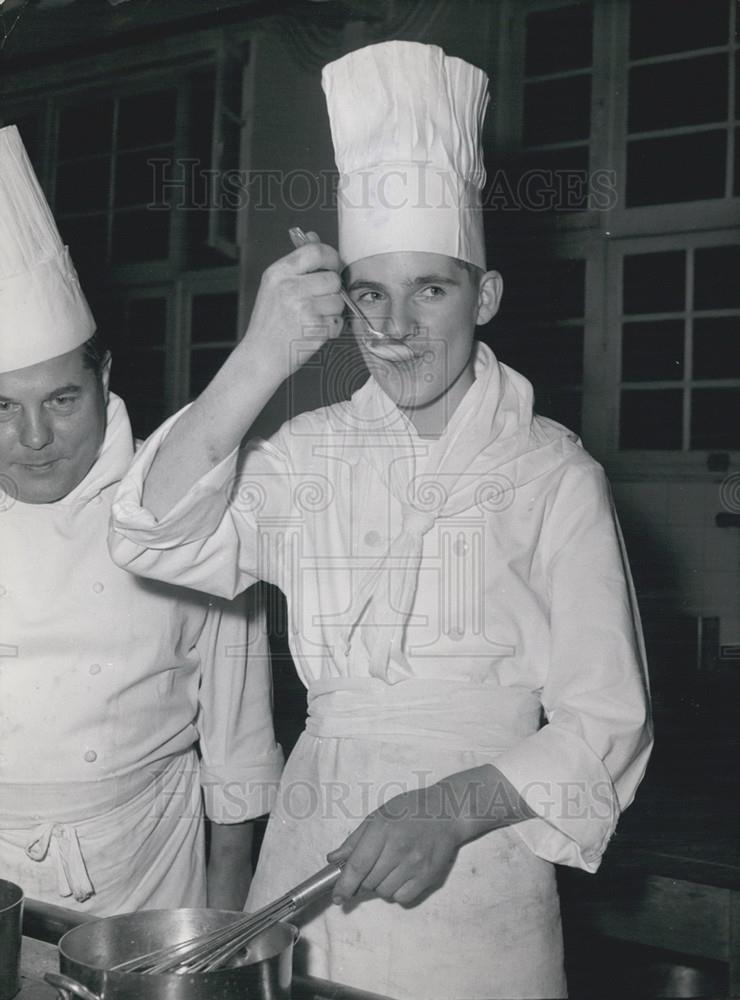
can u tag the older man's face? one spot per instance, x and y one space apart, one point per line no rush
52 425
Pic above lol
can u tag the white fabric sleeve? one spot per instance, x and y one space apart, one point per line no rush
240 761
582 768
210 539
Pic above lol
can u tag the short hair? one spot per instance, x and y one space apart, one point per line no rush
94 353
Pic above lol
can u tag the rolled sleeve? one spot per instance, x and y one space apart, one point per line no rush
240 761
582 769
194 517
201 543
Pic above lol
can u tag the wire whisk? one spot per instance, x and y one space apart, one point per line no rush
216 949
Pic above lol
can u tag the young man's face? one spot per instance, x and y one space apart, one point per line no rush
52 425
429 305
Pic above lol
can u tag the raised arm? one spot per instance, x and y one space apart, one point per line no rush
297 309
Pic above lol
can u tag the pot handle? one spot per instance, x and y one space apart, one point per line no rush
65 985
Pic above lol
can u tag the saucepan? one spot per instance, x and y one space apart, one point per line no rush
88 952
11 916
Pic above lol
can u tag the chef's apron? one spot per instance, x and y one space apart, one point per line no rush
493 928
75 844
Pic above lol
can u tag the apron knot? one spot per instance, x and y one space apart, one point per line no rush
72 873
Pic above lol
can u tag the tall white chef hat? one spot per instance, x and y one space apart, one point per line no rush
43 312
406 123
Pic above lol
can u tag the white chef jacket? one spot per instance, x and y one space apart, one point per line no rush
523 613
106 683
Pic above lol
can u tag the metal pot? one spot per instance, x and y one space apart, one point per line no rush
87 953
11 916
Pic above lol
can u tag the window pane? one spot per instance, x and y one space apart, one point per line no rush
201 96
654 282
547 357
136 332
559 39
661 26
557 110
717 348
714 418
227 195
548 180
85 130
651 418
138 377
83 186
147 322
28 126
213 318
682 92
204 364
142 234
565 360
563 405
678 168
547 290
87 238
146 119
717 278
652 351
232 83
137 180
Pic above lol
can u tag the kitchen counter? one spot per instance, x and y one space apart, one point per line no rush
670 879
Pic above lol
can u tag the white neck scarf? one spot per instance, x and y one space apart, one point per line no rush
492 428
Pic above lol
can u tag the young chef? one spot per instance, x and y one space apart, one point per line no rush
106 681
452 563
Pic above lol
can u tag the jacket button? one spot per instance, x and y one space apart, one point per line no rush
372 538
90 756
98 587
94 668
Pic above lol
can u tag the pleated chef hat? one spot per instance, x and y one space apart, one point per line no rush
43 312
406 124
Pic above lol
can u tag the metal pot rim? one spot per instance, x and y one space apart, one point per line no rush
81 933
15 890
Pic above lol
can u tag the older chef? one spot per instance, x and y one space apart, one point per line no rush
452 563
106 681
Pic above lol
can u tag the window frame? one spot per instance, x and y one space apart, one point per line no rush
121 298
651 463
602 237
210 281
568 246
116 75
672 216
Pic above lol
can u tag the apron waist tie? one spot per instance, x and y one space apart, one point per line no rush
72 873
457 714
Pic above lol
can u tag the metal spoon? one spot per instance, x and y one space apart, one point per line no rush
299 239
